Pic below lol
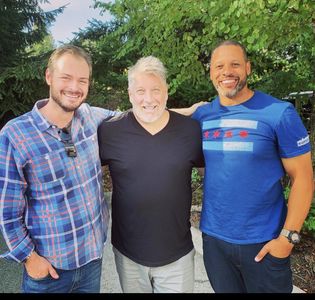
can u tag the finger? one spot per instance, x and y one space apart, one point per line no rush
53 273
261 254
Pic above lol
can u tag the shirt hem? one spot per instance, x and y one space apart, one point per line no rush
238 242
155 264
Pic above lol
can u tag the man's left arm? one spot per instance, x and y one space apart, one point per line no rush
302 188
300 171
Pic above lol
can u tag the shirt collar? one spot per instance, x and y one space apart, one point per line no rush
43 124
39 119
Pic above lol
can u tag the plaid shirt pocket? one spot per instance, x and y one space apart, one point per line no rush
45 168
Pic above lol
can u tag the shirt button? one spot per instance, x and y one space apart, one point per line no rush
89 203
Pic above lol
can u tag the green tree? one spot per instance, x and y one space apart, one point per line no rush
22 24
109 80
23 38
279 36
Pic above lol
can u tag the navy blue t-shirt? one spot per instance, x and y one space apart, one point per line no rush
243 146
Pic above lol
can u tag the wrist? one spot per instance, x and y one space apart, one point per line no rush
292 236
29 256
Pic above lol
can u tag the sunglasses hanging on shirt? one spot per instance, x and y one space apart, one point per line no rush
65 136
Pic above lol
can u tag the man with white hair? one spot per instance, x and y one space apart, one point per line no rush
151 152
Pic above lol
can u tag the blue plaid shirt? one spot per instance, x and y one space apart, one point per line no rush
48 201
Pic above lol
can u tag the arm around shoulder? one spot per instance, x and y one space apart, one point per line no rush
188 111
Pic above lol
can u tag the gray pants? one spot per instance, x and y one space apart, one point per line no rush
176 277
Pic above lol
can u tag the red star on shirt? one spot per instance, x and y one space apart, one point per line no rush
243 134
228 134
216 134
206 134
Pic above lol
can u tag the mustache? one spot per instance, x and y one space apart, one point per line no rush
231 77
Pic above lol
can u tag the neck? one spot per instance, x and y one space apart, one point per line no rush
241 97
55 114
156 126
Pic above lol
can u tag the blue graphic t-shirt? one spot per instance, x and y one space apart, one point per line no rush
243 146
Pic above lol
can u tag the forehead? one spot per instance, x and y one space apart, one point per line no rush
70 63
148 79
227 52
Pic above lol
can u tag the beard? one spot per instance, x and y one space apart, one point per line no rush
146 118
233 93
66 107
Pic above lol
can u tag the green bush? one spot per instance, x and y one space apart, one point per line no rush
309 224
196 185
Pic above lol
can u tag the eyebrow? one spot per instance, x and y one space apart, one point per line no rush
220 61
68 75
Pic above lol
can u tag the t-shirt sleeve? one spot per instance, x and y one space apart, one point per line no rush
196 114
199 158
293 138
99 114
101 142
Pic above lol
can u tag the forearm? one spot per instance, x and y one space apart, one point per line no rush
16 235
299 203
183 111
188 111
12 204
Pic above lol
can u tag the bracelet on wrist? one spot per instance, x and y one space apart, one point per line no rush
28 256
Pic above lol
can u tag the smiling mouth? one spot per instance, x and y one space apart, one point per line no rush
72 96
149 107
229 83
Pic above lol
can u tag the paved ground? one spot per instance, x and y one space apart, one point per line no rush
10 273
110 281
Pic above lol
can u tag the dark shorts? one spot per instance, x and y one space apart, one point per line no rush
232 268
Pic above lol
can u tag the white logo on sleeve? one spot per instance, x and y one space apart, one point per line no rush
303 141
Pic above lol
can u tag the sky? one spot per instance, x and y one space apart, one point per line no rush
75 16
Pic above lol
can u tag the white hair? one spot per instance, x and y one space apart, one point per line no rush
149 65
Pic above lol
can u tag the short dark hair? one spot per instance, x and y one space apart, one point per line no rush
230 43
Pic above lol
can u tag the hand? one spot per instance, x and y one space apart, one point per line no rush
279 247
196 105
39 267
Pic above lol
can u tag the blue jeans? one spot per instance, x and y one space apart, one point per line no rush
85 279
231 268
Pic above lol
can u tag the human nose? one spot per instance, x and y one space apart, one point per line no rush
74 85
227 70
148 96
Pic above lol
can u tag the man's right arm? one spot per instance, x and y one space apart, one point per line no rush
12 203
102 114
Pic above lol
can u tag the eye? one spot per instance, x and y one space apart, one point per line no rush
218 67
140 91
156 91
84 82
235 65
